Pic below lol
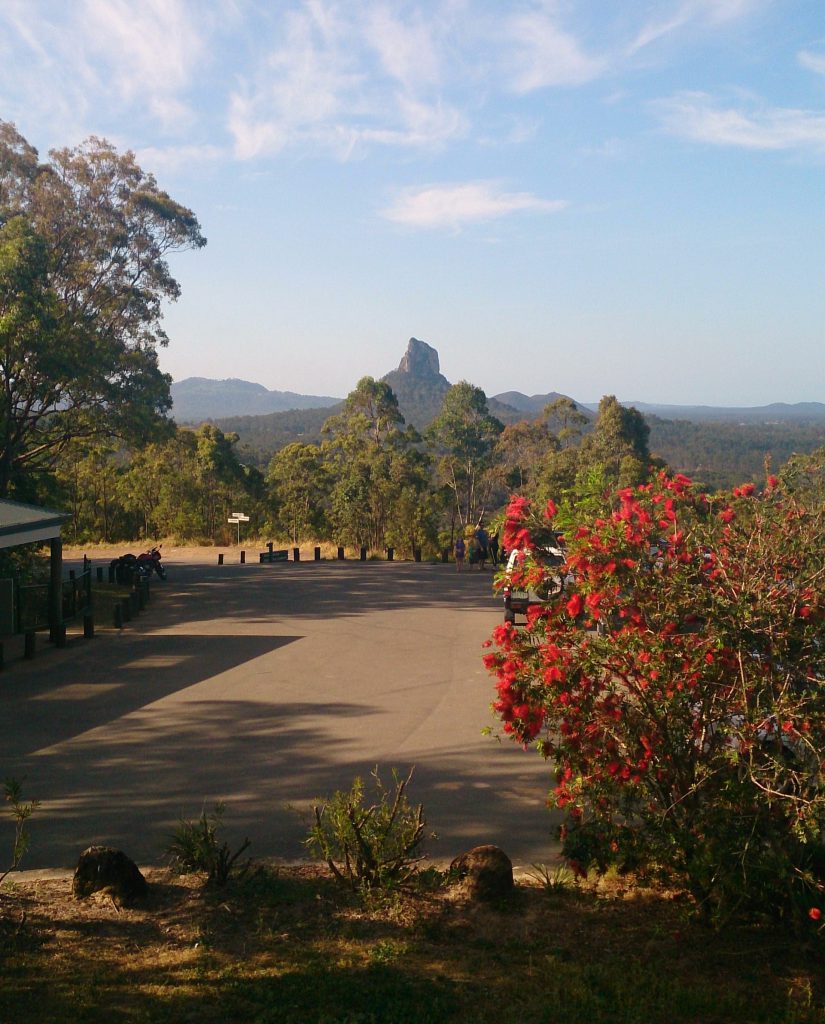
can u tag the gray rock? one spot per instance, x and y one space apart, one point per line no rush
486 872
420 360
104 869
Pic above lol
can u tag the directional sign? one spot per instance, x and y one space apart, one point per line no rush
240 517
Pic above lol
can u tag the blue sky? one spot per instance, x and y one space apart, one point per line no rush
590 197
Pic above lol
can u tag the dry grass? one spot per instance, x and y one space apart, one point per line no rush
289 945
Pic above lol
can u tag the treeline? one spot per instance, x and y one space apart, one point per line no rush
723 455
719 454
371 480
368 480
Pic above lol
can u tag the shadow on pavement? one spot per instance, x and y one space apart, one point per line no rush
245 753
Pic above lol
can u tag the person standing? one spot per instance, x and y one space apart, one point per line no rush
459 551
494 548
483 540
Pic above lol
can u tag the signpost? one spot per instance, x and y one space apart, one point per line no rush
237 518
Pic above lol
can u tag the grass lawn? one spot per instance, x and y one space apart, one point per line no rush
292 945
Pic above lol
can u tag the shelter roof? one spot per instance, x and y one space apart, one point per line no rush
27 524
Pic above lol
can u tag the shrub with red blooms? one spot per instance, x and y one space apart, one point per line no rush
677 683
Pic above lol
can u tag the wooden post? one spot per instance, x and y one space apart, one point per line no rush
55 588
243 558
220 559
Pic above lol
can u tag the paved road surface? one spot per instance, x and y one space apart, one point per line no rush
267 686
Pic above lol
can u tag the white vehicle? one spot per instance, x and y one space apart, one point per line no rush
517 600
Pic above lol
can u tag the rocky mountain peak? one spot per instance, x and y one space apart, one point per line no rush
420 360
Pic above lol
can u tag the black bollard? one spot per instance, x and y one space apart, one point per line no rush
390 554
100 574
243 558
416 554
220 559
317 554
296 554
340 554
88 626
363 554
445 555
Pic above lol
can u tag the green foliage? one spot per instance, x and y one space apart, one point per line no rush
84 242
20 813
298 488
558 878
464 435
195 846
374 846
677 687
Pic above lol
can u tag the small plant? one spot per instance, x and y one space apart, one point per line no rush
20 812
553 879
195 847
375 846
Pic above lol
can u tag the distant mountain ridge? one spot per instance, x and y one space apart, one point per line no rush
776 412
277 417
196 399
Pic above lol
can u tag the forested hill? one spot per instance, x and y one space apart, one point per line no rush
417 383
723 454
197 399
776 412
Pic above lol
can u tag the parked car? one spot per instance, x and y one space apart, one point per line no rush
517 600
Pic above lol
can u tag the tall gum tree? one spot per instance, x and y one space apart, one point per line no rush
465 434
84 241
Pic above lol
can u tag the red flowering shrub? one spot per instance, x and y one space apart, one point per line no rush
678 685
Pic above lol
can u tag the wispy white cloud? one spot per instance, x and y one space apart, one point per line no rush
71 61
319 86
707 13
457 205
173 159
812 61
409 51
697 116
542 53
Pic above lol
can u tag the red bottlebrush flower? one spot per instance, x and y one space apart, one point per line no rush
551 510
727 514
804 611
772 482
814 913
575 606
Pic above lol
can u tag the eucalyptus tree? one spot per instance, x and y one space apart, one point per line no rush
298 486
84 243
464 436
372 459
522 447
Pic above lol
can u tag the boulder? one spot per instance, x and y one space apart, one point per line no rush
486 872
104 869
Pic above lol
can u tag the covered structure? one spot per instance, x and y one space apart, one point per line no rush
28 524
